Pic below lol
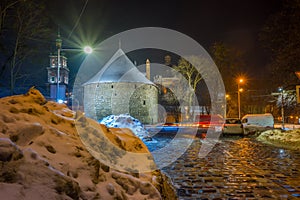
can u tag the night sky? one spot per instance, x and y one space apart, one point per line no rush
232 21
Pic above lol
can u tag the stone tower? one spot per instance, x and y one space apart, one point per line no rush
120 88
58 66
148 75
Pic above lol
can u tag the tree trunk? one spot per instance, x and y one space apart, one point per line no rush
13 64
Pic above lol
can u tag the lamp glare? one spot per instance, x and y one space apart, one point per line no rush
88 49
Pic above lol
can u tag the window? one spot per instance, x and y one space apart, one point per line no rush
52 79
64 63
66 80
53 63
144 102
112 86
245 120
165 90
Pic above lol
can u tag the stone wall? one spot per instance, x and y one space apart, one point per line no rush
137 99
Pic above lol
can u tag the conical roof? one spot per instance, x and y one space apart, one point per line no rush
119 69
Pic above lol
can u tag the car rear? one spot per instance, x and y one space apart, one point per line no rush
204 122
233 126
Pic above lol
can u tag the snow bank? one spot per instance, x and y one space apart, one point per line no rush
287 139
43 157
126 121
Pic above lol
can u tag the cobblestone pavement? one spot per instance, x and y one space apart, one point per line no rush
237 168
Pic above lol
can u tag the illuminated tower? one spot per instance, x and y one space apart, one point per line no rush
119 88
58 89
148 69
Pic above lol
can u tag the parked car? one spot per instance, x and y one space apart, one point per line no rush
233 126
257 122
204 122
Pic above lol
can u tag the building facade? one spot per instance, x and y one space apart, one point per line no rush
58 90
119 88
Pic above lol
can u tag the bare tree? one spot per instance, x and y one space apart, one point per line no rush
23 25
229 61
189 80
280 36
5 7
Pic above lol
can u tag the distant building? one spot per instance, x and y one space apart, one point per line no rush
118 88
169 79
53 72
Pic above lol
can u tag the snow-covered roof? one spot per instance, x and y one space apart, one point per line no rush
119 69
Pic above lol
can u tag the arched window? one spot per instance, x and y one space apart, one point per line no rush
52 79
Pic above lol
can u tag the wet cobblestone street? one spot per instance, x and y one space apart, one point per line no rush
237 168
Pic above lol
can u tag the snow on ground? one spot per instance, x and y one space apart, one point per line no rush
126 121
287 126
43 157
289 139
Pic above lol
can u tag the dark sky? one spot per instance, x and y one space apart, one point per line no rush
236 22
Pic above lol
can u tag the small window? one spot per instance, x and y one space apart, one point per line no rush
64 63
165 90
144 102
112 86
66 80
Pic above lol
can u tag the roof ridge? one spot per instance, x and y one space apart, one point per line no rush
119 70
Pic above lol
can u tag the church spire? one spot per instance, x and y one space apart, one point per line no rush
58 40
148 69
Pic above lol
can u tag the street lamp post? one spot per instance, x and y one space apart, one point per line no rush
227 97
239 97
282 106
58 46
86 49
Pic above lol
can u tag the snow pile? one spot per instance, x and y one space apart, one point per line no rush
43 157
126 121
287 139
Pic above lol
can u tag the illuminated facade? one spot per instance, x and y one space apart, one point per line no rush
63 76
119 88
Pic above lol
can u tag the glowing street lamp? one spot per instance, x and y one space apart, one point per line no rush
86 49
282 105
240 81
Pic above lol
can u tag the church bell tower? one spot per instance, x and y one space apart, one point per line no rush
58 73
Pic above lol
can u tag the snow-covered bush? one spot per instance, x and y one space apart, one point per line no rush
287 139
